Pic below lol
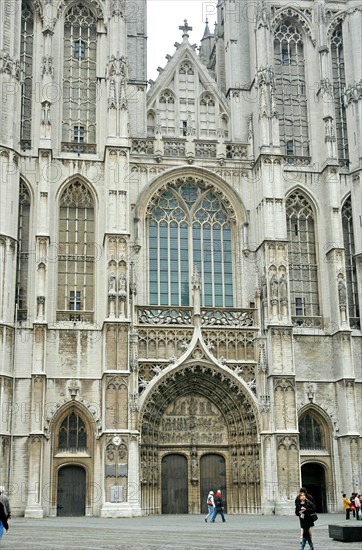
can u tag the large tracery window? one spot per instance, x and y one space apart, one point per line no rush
351 272
76 254
72 434
189 226
303 268
339 84
311 433
22 275
290 92
26 68
79 79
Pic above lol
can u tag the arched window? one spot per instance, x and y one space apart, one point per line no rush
207 116
76 254
72 434
311 433
339 84
303 268
190 226
290 92
22 274
351 272
79 80
26 68
167 113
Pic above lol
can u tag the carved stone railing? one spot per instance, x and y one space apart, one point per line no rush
225 317
142 146
205 149
75 316
291 160
73 450
81 148
174 148
344 163
164 315
308 322
237 151
355 323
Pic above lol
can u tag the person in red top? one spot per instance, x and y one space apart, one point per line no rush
219 507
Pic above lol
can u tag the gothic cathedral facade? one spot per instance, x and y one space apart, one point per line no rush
180 260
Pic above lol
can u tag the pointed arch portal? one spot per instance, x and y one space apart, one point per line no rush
197 410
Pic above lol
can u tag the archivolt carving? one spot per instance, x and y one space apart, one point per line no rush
339 18
95 4
52 410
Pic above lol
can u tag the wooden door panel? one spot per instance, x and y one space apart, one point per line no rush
174 484
71 491
212 477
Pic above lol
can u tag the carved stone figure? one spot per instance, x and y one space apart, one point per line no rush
274 285
112 284
283 289
264 287
122 292
342 292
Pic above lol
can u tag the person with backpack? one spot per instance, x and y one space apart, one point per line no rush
210 505
219 507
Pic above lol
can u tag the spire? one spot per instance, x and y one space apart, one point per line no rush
207 32
185 28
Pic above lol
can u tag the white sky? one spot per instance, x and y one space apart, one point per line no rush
163 20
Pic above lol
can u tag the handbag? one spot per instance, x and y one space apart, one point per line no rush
313 516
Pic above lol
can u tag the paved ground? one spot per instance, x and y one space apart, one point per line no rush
171 532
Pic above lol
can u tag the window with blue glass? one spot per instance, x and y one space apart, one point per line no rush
189 226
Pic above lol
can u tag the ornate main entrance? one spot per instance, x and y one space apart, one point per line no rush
199 432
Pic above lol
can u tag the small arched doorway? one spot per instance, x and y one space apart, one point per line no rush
212 477
71 492
314 479
174 484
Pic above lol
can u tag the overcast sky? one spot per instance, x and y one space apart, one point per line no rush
163 20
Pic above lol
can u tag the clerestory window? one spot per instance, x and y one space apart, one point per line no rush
22 275
302 253
350 261
26 69
339 84
311 433
290 89
72 434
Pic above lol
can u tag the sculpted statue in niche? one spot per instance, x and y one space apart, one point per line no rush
342 292
122 286
264 287
274 285
112 284
283 290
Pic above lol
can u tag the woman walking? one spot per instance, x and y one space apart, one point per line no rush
303 509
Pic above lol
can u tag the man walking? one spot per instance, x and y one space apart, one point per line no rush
219 507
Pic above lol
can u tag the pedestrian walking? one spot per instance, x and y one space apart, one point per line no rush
347 505
219 507
357 505
5 502
3 521
353 507
303 509
210 505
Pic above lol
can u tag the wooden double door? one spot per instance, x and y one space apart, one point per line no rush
71 494
175 481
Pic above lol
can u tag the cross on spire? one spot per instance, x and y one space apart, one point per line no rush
185 28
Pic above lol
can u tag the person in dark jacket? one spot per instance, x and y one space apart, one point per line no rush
219 507
303 509
3 520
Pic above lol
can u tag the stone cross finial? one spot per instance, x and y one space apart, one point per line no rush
185 28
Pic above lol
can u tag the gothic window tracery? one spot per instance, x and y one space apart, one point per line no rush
302 252
79 74
351 271
339 84
167 113
190 226
207 116
76 253
26 69
311 433
23 252
72 434
290 89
